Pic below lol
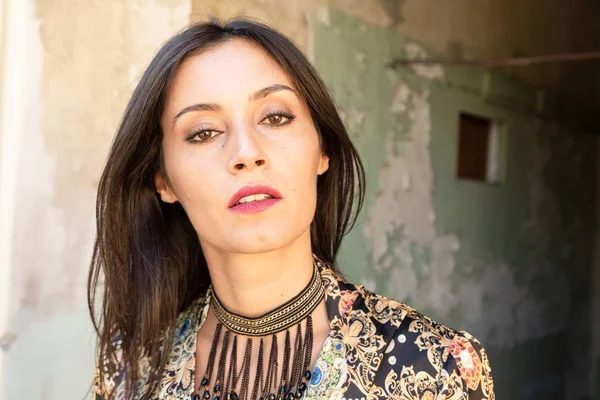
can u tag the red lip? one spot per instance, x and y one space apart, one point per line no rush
253 189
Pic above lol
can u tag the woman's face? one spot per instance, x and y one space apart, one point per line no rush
233 121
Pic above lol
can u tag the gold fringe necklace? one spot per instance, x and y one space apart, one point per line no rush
285 383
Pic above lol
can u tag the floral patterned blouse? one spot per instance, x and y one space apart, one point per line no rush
377 349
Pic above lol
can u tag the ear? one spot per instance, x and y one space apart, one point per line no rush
165 192
323 164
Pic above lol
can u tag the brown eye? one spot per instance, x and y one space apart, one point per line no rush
275 119
203 135
278 118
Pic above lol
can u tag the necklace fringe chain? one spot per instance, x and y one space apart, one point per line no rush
285 383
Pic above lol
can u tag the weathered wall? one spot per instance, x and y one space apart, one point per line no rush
73 65
82 60
595 311
508 262
465 28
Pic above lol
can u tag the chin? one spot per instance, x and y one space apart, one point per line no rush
263 241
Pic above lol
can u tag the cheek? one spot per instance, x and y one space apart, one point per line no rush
304 148
303 159
190 176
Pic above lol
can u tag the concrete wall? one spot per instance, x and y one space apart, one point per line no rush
509 262
595 315
464 28
71 68
67 68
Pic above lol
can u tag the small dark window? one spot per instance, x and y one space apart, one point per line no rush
477 148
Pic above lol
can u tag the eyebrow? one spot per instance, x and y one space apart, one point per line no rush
260 94
197 107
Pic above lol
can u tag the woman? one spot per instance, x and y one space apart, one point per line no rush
220 212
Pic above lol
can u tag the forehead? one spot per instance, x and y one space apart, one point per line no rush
231 71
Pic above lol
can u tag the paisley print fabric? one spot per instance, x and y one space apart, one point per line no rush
378 348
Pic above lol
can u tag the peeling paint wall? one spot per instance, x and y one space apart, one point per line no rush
83 58
509 262
425 236
595 309
468 28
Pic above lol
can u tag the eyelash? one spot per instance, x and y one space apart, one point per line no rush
192 136
288 116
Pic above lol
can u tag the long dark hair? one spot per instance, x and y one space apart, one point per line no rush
147 251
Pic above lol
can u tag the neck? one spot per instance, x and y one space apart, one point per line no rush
254 284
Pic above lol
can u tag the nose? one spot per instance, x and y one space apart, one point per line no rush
248 150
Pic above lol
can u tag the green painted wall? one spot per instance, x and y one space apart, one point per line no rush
595 312
509 262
